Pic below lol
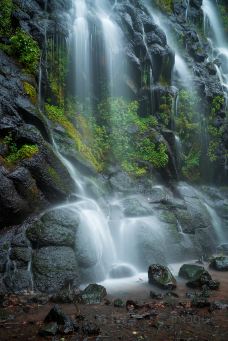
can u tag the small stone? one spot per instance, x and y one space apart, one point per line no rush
93 294
118 303
156 296
219 263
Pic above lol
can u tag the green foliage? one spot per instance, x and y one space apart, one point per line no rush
82 141
120 135
26 50
191 165
165 110
223 12
164 5
131 138
30 91
189 131
6 7
57 63
215 133
16 154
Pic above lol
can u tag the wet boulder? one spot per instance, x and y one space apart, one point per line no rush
161 276
219 263
197 277
53 267
190 271
57 228
65 295
121 271
93 294
65 324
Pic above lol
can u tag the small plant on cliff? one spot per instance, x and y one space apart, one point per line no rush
26 49
164 5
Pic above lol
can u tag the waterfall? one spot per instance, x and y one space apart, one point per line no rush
119 244
81 36
218 42
180 66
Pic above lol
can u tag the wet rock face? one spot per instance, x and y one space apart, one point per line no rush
30 184
146 45
161 276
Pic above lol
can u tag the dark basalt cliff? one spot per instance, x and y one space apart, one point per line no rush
35 86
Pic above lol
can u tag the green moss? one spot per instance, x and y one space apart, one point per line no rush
191 165
189 130
6 7
57 67
223 8
26 49
54 176
164 5
165 110
24 152
215 133
57 115
132 139
30 91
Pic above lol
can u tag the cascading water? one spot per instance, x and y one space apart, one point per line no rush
81 37
217 40
180 66
112 244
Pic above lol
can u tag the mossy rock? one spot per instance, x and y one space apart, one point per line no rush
161 276
191 271
93 294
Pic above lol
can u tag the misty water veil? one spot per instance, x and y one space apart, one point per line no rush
119 233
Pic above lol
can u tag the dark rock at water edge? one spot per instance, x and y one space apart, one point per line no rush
161 276
197 277
219 263
93 294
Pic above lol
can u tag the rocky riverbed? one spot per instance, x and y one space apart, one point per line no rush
139 311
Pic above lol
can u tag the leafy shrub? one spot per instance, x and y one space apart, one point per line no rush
26 49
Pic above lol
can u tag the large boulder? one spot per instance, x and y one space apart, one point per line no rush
53 267
57 227
161 276
197 277
190 271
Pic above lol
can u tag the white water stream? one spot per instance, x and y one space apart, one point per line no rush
117 245
214 31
